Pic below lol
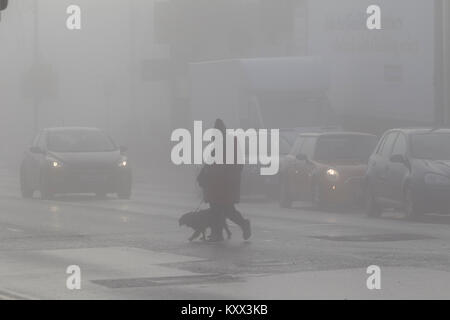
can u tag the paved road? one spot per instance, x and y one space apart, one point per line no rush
135 250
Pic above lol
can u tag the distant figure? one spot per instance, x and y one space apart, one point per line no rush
221 184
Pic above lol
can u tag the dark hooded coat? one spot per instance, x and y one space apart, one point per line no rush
221 183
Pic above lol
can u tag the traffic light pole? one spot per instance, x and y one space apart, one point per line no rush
36 102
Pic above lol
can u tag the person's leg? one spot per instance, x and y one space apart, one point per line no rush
218 222
227 230
236 217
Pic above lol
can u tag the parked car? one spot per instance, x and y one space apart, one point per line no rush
410 170
270 183
288 136
325 168
75 160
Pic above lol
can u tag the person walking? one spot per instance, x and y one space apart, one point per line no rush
221 184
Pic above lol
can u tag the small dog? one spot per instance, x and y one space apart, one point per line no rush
200 221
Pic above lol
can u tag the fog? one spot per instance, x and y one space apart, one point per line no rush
271 120
127 70
89 77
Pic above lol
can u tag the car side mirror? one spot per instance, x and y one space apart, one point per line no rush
397 158
36 150
302 157
123 149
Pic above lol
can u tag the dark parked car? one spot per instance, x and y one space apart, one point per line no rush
75 160
325 168
410 170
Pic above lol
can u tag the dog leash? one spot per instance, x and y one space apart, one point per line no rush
199 205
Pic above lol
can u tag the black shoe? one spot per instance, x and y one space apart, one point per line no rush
246 230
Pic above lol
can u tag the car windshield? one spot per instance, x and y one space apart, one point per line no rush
337 148
432 146
79 141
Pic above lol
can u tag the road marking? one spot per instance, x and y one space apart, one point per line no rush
9 295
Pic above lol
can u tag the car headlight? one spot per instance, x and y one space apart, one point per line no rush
123 163
332 174
54 163
436 179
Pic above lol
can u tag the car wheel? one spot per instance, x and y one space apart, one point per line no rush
25 189
411 207
317 196
285 201
373 209
44 189
124 192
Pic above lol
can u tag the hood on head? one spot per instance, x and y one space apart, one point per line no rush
220 125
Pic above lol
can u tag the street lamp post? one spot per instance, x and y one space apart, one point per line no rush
442 63
132 130
438 65
445 60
